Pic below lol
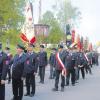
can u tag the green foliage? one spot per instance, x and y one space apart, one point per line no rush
11 18
48 18
11 35
62 12
55 34
65 11
40 39
11 12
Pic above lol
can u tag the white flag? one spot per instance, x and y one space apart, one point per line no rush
27 31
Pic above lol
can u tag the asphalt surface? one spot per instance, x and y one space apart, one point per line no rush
87 89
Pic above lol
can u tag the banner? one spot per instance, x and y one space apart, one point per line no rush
27 31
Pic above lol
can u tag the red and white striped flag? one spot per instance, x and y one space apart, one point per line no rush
27 31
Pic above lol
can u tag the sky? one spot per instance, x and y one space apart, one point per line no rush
89 23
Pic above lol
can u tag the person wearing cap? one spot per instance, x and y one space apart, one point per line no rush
59 69
42 63
82 63
70 63
9 58
88 58
3 73
52 62
30 69
17 72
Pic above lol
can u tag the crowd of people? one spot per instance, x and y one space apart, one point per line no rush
26 63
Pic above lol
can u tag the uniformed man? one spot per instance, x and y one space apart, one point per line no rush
17 72
88 59
89 55
42 63
3 73
82 63
59 69
30 70
93 58
9 58
70 61
96 58
52 62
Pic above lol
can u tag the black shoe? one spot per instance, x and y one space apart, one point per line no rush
76 82
54 89
83 78
73 84
67 85
41 82
62 89
31 95
27 94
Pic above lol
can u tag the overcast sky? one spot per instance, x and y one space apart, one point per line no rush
89 25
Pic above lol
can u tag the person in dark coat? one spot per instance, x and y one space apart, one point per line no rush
70 63
93 58
3 73
30 69
42 63
97 58
88 59
89 55
9 58
52 62
17 72
82 63
59 69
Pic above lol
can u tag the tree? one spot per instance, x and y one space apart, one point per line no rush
55 34
64 11
48 18
11 13
11 18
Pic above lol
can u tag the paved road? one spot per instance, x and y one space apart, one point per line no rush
88 89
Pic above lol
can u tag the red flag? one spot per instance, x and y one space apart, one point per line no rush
82 42
73 36
78 42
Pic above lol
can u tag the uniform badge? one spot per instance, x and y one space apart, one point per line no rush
27 62
7 62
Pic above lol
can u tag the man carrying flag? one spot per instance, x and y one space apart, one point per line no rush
60 69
